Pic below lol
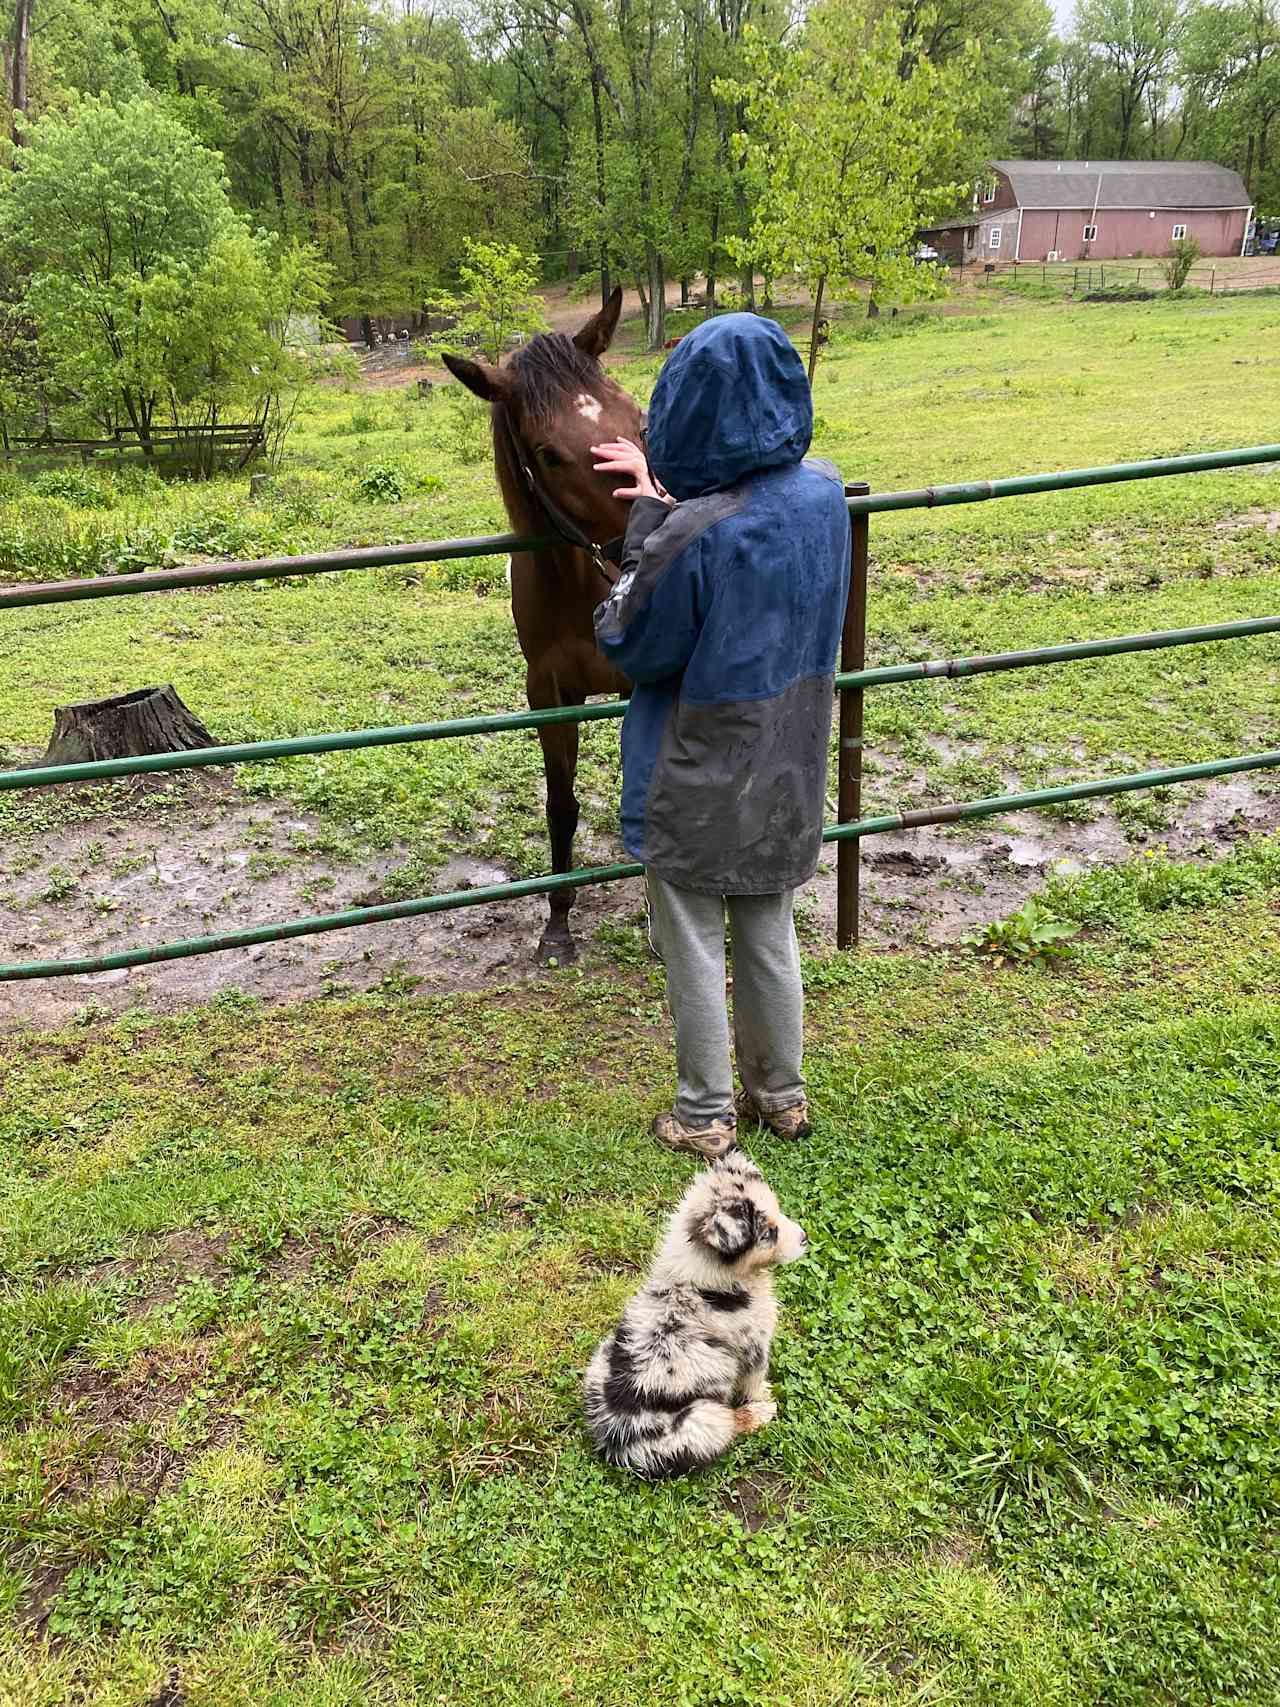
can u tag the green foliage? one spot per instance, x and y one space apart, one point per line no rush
151 303
1131 897
381 484
1033 936
1183 255
844 149
84 491
497 284
459 426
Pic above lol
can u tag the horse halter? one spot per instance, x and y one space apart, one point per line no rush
608 557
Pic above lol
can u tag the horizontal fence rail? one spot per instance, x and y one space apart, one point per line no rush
263 569
852 682
952 813
503 544
348 740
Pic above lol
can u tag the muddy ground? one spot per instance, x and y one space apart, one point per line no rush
215 860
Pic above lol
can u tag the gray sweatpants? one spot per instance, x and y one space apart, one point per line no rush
687 932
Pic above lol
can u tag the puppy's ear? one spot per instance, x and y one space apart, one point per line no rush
736 1161
728 1229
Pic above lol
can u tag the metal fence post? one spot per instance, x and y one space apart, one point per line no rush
853 656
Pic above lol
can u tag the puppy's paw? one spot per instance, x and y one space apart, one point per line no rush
756 1415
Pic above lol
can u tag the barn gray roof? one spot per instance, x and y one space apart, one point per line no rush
1125 183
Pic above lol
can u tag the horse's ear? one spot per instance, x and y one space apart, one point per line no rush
596 336
486 381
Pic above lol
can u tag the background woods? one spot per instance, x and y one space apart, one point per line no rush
618 138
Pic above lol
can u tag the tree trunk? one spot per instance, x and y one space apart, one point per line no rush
601 193
18 63
711 259
814 344
151 720
873 308
657 280
684 293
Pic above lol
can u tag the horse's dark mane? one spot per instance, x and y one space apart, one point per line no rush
548 370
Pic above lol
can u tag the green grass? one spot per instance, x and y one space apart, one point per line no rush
926 397
295 1301
298 1303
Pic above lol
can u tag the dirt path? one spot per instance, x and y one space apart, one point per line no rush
218 860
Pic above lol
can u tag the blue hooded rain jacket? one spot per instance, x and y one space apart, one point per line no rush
726 616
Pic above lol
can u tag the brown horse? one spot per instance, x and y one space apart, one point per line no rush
550 402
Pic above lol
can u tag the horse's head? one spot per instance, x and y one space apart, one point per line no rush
557 401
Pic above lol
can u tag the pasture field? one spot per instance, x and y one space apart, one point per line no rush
929 397
296 1293
298 1301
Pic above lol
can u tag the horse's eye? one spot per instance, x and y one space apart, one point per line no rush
549 458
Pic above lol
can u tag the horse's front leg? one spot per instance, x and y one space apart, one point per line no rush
560 763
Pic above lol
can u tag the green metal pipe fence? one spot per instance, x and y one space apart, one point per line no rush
853 679
347 740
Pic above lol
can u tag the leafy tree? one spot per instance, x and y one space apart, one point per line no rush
500 284
1137 41
149 300
1230 66
844 143
1037 124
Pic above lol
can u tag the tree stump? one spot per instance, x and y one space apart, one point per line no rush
425 388
127 726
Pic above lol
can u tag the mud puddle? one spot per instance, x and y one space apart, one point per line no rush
218 861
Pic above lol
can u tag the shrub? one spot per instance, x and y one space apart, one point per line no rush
74 486
213 532
139 548
1183 255
136 480
381 484
51 546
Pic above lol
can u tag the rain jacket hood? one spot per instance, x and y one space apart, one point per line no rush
733 399
726 617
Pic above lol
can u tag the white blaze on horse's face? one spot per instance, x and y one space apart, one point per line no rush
589 407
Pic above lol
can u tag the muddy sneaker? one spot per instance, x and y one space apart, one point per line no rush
711 1141
790 1122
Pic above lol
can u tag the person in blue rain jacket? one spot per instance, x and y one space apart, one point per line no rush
726 616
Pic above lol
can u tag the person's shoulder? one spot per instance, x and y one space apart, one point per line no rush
818 465
689 520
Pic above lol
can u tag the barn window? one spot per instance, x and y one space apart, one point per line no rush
989 190
993 237
1090 232
1179 231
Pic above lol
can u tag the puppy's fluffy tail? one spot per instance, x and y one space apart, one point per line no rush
657 1435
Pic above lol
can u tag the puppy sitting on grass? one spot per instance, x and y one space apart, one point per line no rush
687 1370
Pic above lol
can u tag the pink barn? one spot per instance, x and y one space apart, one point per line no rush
1105 210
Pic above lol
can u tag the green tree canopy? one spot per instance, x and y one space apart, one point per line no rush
846 136
149 299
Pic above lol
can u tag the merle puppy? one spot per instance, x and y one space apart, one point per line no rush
687 1369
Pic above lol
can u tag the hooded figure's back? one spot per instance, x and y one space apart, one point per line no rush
727 617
